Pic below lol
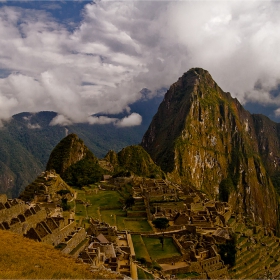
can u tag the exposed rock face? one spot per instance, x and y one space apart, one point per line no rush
204 138
68 151
75 163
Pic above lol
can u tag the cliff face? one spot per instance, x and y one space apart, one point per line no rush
75 163
204 138
68 151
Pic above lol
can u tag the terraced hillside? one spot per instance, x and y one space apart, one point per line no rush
258 254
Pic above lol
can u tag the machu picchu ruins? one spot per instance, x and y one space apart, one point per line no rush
199 228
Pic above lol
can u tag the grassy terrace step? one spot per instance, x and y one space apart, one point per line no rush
240 228
275 267
277 255
82 243
244 266
256 268
241 241
244 258
258 274
139 208
140 248
247 258
249 270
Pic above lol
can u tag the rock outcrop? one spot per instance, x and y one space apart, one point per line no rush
74 162
204 138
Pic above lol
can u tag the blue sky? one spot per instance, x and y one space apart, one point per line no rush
80 58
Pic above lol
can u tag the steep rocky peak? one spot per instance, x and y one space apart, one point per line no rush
203 137
190 83
68 151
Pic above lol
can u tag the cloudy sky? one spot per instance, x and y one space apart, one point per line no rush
80 58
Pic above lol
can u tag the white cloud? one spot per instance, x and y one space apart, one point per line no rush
131 120
101 120
33 126
60 120
277 112
121 47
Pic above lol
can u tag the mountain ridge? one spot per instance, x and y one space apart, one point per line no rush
27 140
203 137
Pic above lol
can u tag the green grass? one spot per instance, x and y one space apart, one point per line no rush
101 199
120 223
187 275
104 199
140 247
155 249
140 226
143 274
109 216
114 217
78 247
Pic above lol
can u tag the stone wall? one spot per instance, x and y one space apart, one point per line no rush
211 263
11 209
74 240
130 244
170 260
136 214
27 218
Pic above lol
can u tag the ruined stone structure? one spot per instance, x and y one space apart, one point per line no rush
19 217
117 255
45 188
32 221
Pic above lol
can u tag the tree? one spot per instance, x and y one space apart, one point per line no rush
161 224
64 204
129 202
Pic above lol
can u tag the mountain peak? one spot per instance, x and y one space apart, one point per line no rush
204 138
68 151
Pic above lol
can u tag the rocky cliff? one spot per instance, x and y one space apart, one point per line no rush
75 163
203 137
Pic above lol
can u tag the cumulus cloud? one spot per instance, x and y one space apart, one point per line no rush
101 120
60 120
33 126
132 120
119 48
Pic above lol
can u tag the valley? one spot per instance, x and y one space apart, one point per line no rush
197 199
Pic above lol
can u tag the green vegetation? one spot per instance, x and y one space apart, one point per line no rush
136 160
75 163
155 249
96 200
225 188
84 172
161 224
63 192
24 152
187 275
143 274
140 249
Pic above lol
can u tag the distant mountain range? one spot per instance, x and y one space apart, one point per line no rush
27 141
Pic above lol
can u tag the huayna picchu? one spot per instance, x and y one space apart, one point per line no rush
197 199
202 137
